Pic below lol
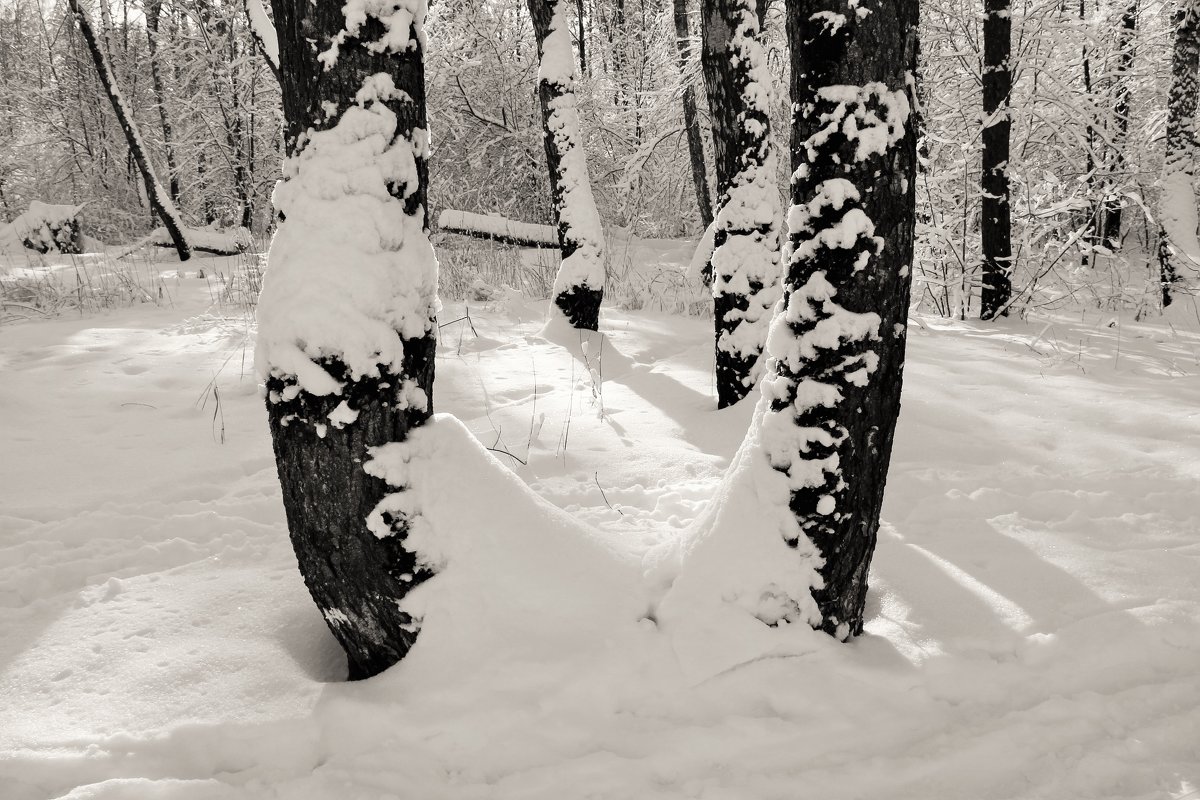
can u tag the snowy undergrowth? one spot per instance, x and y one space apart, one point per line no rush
1031 631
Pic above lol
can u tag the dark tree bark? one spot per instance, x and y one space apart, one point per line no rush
1178 199
744 265
842 392
683 38
356 578
160 202
1112 203
579 285
153 12
1091 230
720 80
996 223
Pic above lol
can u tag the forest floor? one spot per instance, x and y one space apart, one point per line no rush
1034 616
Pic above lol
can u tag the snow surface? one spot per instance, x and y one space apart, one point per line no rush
1033 624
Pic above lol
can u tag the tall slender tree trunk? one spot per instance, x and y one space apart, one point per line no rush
579 285
683 39
153 12
837 351
346 318
1178 212
1091 231
1112 202
745 259
996 223
160 201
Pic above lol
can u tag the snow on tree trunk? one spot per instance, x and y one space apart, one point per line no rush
160 202
691 123
263 33
791 532
346 318
996 223
745 259
579 285
1178 243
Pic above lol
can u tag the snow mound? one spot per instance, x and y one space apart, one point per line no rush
743 592
518 578
42 227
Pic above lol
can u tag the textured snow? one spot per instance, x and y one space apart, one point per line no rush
349 272
1031 627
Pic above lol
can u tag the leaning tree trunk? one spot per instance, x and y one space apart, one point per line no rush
153 11
346 317
1110 227
837 352
579 285
745 259
691 124
160 202
1179 215
996 223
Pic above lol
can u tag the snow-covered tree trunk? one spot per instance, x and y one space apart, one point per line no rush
153 12
159 199
996 222
1110 216
745 260
691 122
579 285
1178 213
836 353
346 318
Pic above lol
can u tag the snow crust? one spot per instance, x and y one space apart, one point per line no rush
350 273
403 22
1179 217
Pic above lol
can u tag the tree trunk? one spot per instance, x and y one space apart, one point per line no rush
745 259
1112 203
160 202
153 10
346 317
837 352
1179 214
690 122
579 285
996 223
724 96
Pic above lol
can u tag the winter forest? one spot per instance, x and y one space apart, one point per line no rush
625 399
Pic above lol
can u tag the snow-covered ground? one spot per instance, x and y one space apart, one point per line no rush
1035 608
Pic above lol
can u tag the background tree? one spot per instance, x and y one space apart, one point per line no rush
346 317
1177 237
996 220
160 202
579 285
